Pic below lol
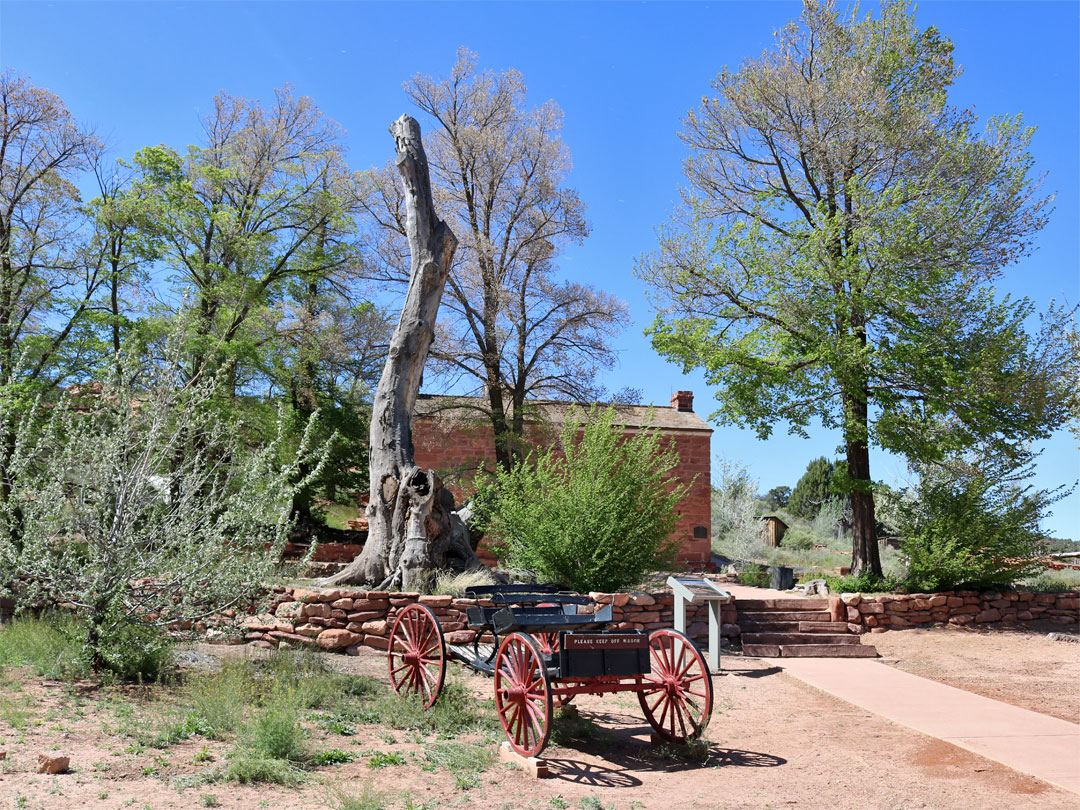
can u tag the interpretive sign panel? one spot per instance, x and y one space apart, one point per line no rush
689 590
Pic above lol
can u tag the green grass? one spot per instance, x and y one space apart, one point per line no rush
1050 581
368 799
466 762
570 727
50 645
456 712
337 516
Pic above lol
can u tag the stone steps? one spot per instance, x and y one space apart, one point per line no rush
762 616
796 628
798 638
810 650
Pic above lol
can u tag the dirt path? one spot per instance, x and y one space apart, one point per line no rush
773 743
1021 667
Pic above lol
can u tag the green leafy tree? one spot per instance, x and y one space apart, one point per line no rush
835 256
592 513
778 497
264 202
971 521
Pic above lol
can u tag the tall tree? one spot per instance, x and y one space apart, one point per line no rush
263 202
511 330
814 488
835 253
45 287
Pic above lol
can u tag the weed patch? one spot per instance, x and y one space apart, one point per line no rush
49 645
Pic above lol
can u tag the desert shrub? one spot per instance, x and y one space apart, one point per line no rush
754 575
592 513
867 582
275 731
142 503
136 652
798 538
971 522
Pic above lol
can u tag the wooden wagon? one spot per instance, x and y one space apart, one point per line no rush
542 649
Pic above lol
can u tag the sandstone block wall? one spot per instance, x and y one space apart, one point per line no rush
346 620
896 611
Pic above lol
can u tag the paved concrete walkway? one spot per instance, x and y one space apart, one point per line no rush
1036 744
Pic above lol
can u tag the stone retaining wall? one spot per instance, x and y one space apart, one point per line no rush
894 611
346 620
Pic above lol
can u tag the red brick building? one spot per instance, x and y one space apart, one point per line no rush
452 437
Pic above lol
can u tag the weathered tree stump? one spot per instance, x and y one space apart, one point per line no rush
412 527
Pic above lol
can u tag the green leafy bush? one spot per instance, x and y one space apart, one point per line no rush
592 513
754 575
972 523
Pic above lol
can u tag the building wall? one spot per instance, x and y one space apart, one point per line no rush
455 451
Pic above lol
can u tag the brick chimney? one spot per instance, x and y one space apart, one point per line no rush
683 400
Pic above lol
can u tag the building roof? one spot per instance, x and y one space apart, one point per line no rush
554 412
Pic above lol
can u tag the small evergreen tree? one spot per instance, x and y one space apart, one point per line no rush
593 512
814 488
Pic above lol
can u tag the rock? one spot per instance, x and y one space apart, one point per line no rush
342 604
377 627
310 630
460 637
815 587
853 614
336 639
51 764
1055 637
991 615
289 610
260 623
851 599
316 609
436 601
642 599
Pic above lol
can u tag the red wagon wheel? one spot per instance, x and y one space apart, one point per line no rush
547 642
678 695
523 694
417 654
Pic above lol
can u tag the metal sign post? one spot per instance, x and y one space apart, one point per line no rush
689 590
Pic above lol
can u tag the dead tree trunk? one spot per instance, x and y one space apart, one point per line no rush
412 528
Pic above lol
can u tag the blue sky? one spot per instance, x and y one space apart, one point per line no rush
624 75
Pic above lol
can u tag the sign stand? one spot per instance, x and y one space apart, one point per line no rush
690 590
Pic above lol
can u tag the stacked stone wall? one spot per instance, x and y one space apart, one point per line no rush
877 614
347 620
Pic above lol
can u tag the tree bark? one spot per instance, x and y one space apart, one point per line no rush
410 522
865 557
